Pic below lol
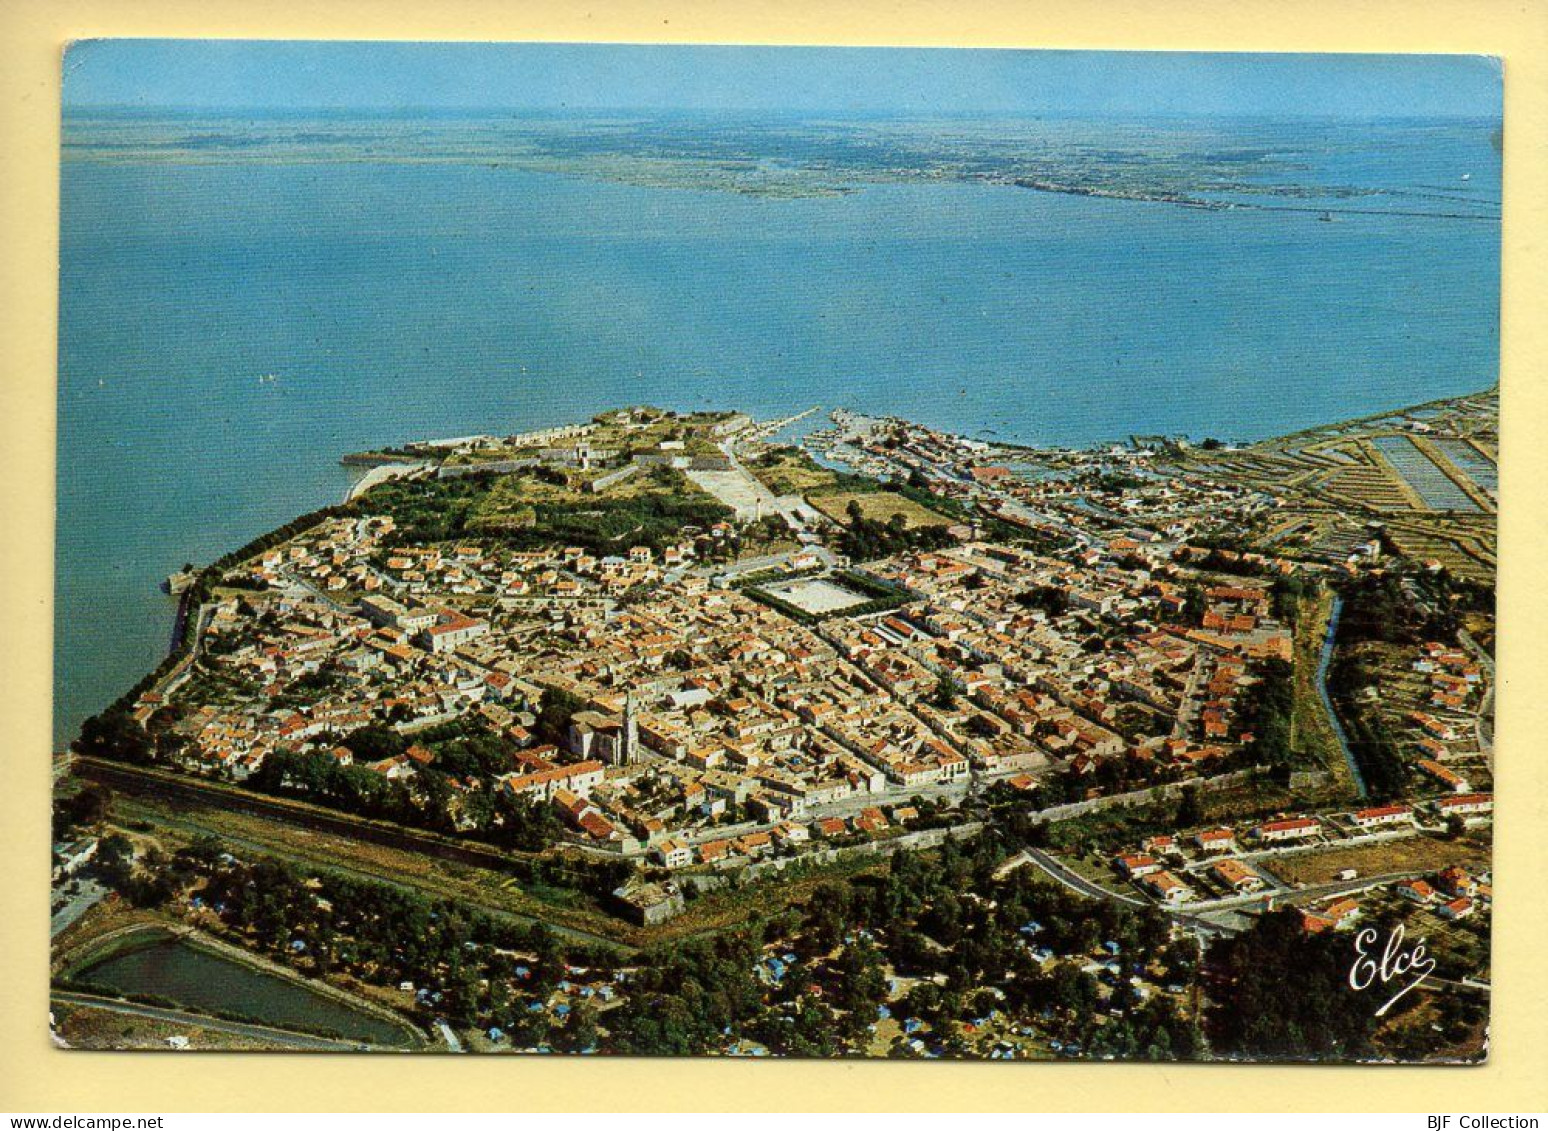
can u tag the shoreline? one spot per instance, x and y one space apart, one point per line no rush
392 467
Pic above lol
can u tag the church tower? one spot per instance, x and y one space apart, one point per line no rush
631 734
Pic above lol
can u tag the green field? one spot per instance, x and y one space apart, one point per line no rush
878 506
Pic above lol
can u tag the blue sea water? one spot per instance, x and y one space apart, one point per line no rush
396 301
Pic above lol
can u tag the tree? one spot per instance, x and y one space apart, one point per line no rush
86 807
523 823
945 695
580 1032
861 987
1052 599
1260 1011
113 734
114 861
1194 604
527 1028
554 713
1190 812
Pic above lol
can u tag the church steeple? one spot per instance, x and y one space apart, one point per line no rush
631 733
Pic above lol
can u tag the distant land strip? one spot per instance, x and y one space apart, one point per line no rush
1238 205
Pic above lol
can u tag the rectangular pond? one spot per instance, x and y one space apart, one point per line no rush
1431 484
200 979
1472 463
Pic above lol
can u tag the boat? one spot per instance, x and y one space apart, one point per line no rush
1326 217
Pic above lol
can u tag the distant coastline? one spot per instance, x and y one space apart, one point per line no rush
394 299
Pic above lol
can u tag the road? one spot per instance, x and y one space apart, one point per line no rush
1483 723
1074 880
90 895
306 586
1188 703
1193 916
1480 654
1467 985
753 565
745 493
452 1043
1078 883
284 1037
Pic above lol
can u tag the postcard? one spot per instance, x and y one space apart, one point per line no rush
776 552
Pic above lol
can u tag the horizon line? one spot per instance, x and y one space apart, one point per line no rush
837 112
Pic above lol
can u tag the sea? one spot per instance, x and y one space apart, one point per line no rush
229 328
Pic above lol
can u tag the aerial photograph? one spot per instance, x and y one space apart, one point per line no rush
775 552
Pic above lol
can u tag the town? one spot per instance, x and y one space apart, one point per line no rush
1197 686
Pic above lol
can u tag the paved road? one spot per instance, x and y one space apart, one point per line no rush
302 583
1194 914
198 1020
1079 883
1466 985
753 565
1483 723
1189 700
1480 654
1074 880
743 491
452 1043
90 894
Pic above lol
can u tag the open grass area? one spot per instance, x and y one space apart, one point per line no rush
878 506
1415 853
762 898
1096 868
85 1027
527 510
636 432
565 910
1415 1028
521 492
790 471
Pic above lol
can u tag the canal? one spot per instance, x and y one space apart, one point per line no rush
1323 664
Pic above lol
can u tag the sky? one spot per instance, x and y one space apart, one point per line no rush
254 74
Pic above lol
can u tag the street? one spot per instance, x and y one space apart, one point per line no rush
200 1021
90 894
